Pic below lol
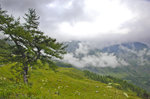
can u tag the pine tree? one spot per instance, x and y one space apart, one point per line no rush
29 43
43 47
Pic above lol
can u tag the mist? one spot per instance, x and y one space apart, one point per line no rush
81 58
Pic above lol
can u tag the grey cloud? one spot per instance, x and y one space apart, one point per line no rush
80 58
20 6
51 17
83 57
139 26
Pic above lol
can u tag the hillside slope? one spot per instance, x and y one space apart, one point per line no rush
128 61
138 75
66 83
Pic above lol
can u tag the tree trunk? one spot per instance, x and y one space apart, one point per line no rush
25 74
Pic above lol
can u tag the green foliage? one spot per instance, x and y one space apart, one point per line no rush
17 71
5 52
118 83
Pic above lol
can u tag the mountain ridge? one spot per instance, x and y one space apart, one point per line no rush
129 61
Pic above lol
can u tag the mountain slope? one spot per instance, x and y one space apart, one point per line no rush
137 75
137 57
129 61
66 83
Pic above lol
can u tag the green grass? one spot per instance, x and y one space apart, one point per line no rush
66 83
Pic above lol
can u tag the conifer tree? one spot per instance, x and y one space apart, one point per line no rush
29 43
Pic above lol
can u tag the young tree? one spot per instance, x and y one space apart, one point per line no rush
29 43
43 47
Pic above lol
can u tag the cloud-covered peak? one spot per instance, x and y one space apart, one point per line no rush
124 54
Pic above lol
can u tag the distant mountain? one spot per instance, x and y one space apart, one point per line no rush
137 46
129 61
134 53
72 46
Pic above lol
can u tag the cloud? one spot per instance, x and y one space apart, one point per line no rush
101 21
50 16
98 22
81 58
85 55
83 49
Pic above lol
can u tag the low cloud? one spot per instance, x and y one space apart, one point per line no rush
86 55
81 58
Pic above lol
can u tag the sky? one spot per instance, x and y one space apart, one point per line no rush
101 21
98 22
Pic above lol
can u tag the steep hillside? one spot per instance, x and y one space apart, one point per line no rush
129 61
65 83
137 57
138 75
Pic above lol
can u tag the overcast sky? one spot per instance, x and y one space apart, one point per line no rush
92 20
